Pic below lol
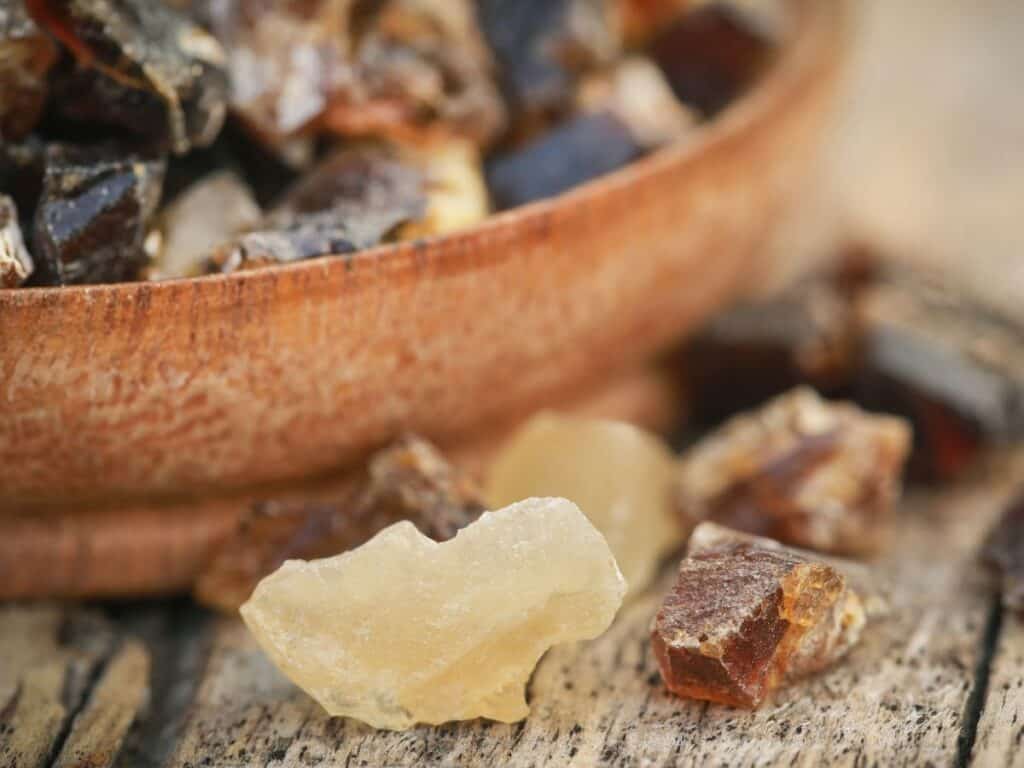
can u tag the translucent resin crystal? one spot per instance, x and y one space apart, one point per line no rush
405 630
816 474
620 476
745 614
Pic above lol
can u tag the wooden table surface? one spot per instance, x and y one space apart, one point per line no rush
940 682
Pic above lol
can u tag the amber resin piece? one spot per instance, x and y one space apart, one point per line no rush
806 334
747 614
206 215
353 200
405 630
543 47
409 480
619 475
643 19
406 69
802 470
15 261
26 56
150 59
94 214
712 54
1004 551
453 182
950 362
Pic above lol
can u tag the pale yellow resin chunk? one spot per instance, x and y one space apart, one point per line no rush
619 475
405 630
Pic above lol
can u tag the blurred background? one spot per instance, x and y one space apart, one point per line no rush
929 155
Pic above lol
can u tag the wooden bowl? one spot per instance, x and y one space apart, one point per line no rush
147 390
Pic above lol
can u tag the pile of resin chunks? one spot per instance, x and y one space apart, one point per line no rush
156 139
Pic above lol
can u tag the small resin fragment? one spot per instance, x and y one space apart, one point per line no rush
619 475
636 92
747 614
204 216
26 56
15 261
353 200
543 47
155 56
584 148
805 334
94 214
802 470
643 19
948 361
403 69
711 55
406 630
409 480
1004 551
456 196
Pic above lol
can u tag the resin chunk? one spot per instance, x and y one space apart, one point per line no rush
405 69
619 475
747 614
542 48
94 214
351 201
456 196
802 470
405 630
1004 551
947 360
409 480
206 215
636 92
584 148
26 56
151 58
712 54
15 261
807 334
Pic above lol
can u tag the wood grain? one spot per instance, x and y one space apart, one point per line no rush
271 375
1000 736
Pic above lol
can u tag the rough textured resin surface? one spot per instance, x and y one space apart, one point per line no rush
405 630
620 476
817 474
408 480
745 614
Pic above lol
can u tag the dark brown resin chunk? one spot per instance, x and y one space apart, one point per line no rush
352 201
1004 551
804 335
746 614
15 261
711 55
948 361
26 55
542 48
148 61
409 480
94 214
586 147
802 470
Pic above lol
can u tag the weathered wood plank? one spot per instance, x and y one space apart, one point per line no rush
48 658
901 698
120 693
1000 737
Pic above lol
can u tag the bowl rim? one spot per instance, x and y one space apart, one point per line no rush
813 25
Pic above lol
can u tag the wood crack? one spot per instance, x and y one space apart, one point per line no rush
982 673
